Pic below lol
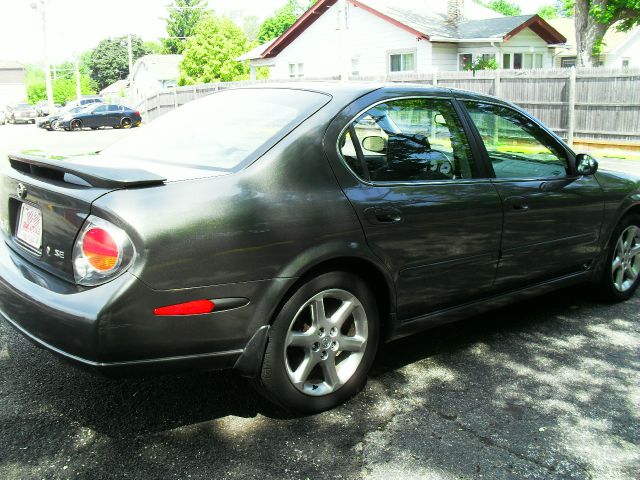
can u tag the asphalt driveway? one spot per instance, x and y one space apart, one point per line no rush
545 389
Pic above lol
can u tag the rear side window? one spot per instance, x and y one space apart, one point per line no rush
413 139
223 131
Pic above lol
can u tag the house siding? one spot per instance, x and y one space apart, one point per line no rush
525 41
445 56
630 49
369 38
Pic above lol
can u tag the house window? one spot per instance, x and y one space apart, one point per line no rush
517 61
568 62
402 62
539 60
506 60
355 66
625 62
465 60
296 70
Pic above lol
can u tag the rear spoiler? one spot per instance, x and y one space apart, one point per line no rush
95 175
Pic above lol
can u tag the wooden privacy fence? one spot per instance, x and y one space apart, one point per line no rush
595 106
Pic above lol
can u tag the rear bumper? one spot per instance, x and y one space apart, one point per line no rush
112 327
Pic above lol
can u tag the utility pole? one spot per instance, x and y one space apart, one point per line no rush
42 6
343 47
78 88
130 51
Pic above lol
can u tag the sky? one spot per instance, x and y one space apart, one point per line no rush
78 25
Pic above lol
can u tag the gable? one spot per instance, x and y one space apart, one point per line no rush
426 19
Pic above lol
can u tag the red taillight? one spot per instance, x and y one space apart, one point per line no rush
137 113
100 249
195 307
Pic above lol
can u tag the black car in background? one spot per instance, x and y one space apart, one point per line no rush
50 122
285 231
101 115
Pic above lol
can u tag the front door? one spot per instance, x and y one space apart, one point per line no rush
424 210
552 215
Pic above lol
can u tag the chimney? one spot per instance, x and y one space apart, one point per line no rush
455 11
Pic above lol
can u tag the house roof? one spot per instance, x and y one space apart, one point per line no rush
611 41
426 19
11 66
162 67
256 52
115 87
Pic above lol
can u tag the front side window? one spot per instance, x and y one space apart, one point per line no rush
405 140
100 109
402 62
517 146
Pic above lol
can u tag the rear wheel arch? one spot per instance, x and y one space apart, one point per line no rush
373 275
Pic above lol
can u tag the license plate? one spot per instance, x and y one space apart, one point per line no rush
30 226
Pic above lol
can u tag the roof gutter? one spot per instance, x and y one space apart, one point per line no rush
466 40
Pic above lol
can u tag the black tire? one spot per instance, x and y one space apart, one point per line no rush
606 286
94 128
126 122
274 382
75 124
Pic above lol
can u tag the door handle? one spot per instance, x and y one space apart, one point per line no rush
519 204
383 215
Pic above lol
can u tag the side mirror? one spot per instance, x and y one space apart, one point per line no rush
586 164
374 144
438 119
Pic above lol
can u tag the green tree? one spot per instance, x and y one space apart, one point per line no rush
280 21
210 55
64 87
594 17
504 7
548 12
109 61
183 17
154 47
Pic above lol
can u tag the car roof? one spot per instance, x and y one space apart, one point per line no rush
352 90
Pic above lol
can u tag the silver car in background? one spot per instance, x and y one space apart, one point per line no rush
21 113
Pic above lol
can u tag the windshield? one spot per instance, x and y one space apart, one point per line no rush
223 131
23 106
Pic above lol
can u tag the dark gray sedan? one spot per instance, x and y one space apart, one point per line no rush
286 230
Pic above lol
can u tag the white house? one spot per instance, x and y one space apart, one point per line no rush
619 49
12 83
387 37
152 73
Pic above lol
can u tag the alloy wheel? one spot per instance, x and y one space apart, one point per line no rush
625 265
326 342
126 123
75 125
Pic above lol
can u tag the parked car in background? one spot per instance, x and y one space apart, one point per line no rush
101 115
50 122
286 231
21 113
42 108
85 101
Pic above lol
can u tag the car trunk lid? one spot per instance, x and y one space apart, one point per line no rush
45 201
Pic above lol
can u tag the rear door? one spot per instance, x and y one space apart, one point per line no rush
99 117
414 185
552 215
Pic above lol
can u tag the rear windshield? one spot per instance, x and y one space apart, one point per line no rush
223 131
